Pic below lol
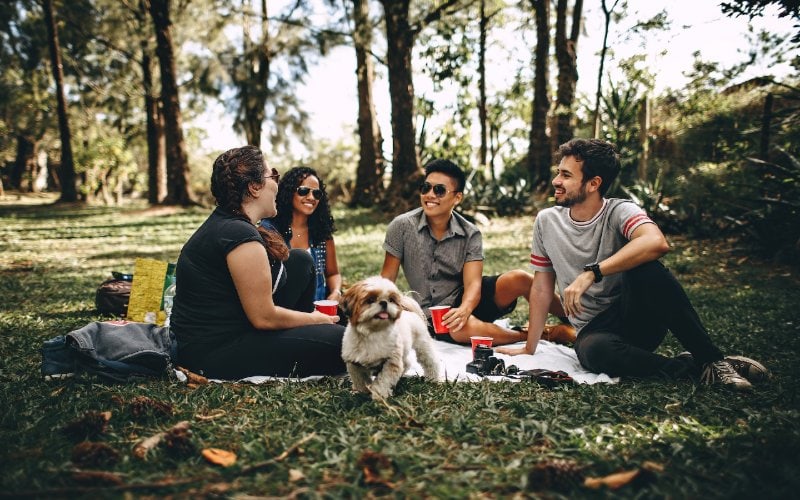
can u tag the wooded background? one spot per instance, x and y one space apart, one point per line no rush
94 95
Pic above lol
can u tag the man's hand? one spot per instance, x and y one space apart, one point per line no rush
456 318
573 293
513 351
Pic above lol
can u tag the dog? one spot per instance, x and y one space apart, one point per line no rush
384 325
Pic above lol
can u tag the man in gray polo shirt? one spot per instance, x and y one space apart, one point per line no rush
441 254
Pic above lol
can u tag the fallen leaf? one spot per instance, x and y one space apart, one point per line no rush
219 457
296 475
377 468
211 416
612 481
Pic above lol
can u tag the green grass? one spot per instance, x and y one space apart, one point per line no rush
446 440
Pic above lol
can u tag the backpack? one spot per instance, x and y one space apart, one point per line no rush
112 297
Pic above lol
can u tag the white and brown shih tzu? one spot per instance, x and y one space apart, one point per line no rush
384 327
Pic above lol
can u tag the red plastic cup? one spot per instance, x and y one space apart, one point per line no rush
328 307
476 341
436 315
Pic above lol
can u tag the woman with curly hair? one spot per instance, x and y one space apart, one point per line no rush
244 303
305 221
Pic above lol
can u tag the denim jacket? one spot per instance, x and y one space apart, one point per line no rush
119 350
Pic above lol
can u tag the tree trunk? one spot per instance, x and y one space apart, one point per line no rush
254 89
400 40
68 191
23 163
766 123
483 27
370 163
599 93
156 160
644 143
567 58
179 190
539 154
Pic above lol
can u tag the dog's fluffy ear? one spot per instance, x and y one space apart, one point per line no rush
349 300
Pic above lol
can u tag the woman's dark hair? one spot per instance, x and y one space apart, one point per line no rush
599 158
231 176
320 224
449 169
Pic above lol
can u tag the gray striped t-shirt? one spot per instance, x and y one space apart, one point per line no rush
563 245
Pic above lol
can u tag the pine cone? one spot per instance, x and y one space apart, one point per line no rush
557 474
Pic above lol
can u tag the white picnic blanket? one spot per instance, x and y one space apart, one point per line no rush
549 355
454 359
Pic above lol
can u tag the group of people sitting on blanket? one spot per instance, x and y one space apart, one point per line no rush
248 277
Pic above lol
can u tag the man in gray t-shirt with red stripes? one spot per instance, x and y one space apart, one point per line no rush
603 256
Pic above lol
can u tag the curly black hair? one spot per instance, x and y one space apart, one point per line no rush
320 224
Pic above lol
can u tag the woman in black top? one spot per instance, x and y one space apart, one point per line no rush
244 304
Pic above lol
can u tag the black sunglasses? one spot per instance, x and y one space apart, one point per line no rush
304 190
438 189
274 175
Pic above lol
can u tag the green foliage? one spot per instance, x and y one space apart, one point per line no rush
107 166
509 195
446 440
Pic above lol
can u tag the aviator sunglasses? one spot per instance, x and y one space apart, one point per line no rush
438 189
304 190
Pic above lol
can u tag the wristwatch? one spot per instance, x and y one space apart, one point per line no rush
595 268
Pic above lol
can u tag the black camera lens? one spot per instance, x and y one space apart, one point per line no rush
483 352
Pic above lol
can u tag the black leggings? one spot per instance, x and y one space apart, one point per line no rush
620 341
293 352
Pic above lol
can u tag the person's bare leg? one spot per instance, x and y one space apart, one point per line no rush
499 335
510 286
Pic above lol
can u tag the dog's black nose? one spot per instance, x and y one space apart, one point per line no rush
383 304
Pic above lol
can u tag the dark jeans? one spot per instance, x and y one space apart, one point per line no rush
620 341
293 352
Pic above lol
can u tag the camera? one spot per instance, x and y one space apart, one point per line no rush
486 364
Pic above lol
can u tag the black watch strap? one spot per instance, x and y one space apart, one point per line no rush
595 268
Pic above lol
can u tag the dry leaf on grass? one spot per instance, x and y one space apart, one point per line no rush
378 468
192 379
147 444
643 475
219 457
296 475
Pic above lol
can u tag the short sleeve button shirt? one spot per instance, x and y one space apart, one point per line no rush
433 268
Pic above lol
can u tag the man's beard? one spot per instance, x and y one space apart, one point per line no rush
569 201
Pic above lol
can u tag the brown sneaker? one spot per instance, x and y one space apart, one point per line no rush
721 372
749 368
560 334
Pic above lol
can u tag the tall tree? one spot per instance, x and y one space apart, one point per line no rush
69 193
567 59
599 93
252 74
540 156
370 169
25 103
179 190
401 32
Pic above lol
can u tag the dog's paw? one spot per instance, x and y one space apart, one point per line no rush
379 395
